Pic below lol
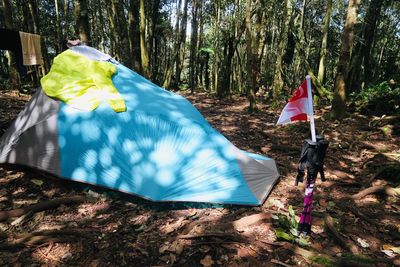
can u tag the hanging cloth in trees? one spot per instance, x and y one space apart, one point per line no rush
31 49
312 158
10 40
82 83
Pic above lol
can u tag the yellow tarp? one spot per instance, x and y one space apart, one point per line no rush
82 83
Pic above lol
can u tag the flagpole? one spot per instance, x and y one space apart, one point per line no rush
310 109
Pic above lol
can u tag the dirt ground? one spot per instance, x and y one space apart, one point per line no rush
356 211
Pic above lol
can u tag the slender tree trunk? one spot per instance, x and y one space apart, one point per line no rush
325 29
82 21
8 22
174 56
114 34
250 60
134 37
217 58
58 28
34 15
371 19
193 47
338 110
143 45
101 27
278 81
181 44
258 46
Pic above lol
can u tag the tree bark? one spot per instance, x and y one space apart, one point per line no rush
8 22
33 10
250 60
278 81
144 53
134 37
113 18
338 110
371 19
181 44
58 28
325 29
193 47
82 21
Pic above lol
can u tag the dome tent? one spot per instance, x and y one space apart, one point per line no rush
161 148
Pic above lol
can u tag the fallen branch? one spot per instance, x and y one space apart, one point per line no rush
390 191
51 204
330 227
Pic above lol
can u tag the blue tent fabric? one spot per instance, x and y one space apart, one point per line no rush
161 148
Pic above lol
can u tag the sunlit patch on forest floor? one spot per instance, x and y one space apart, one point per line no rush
356 211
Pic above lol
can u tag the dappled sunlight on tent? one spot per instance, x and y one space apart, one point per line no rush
160 148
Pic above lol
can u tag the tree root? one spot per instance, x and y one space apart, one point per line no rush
40 237
390 191
6 215
330 227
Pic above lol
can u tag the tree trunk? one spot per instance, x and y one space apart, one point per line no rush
168 74
325 29
338 110
278 81
34 15
58 28
181 44
250 60
8 22
144 53
193 47
113 18
371 19
82 21
134 37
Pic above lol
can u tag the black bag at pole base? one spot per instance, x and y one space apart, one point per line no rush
312 158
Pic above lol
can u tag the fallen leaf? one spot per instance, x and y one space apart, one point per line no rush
37 182
163 248
207 261
176 247
388 253
192 213
362 242
277 203
392 248
323 203
172 258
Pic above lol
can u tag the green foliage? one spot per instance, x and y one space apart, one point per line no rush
208 50
286 228
378 100
4 84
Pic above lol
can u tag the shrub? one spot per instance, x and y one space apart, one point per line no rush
380 99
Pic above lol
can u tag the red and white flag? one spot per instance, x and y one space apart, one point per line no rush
297 108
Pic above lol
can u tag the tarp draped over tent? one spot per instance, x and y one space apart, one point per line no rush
160 148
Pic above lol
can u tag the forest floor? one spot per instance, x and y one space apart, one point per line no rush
356 211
